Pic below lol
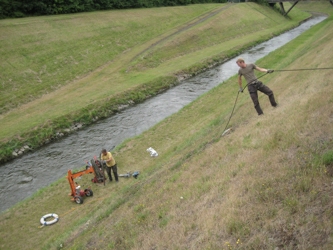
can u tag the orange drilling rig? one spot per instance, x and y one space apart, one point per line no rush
76 192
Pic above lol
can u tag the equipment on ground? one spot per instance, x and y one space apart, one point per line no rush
94 166
227 131
46 222
76 192
99 168
135 174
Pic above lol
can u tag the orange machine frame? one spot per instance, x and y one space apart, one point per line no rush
71 177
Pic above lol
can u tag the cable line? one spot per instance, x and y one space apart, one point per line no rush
280 70
277 70
235 105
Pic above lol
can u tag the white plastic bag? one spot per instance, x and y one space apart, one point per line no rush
152 152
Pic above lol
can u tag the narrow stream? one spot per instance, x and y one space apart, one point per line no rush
24 176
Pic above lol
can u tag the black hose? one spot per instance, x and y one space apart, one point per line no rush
277 70
236 102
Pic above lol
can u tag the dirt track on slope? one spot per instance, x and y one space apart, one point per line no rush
184 28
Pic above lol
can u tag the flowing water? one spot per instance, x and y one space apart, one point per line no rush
22 177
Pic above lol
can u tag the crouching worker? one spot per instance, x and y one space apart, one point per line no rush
110 164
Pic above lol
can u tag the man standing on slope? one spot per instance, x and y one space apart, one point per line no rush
110 164
247 70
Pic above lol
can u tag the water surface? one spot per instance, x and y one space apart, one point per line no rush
22 177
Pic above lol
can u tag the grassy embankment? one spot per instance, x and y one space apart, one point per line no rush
61 70
267 185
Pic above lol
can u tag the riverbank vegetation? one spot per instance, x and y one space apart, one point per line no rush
21 8
266 185
67 70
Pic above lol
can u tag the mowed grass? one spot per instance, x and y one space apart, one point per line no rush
266 185
58 65
42 54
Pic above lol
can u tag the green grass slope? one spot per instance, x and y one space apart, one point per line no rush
58 70
266 185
